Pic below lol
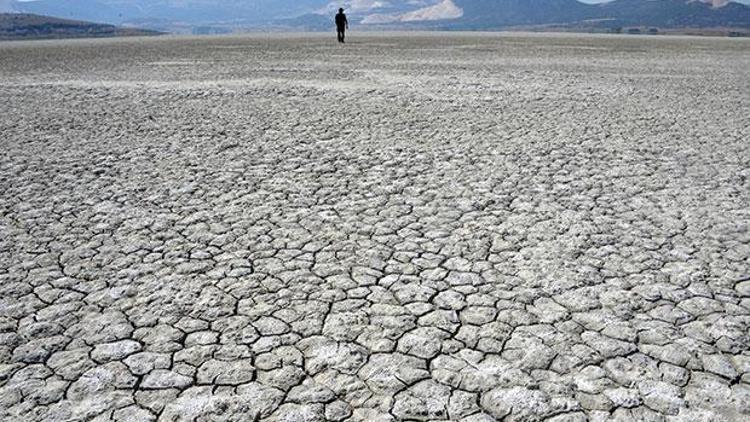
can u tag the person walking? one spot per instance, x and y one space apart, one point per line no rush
341 25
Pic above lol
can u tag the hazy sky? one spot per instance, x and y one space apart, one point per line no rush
583 1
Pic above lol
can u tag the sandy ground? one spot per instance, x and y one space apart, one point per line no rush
464 227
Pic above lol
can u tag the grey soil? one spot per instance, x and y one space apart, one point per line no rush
408 227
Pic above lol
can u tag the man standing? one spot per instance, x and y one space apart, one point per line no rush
341 25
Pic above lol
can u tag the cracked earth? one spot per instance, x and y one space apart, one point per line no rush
451 227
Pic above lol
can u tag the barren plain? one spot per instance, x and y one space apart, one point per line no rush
464 227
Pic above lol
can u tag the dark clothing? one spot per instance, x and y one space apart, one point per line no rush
341 22
341 26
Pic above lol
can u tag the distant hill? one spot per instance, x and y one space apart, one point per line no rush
184 15
479 14
17 26
180 11
613 16
674 13
498 14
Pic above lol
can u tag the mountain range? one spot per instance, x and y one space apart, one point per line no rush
436 14
22 26
489 14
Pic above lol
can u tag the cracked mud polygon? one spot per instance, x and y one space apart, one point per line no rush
408 227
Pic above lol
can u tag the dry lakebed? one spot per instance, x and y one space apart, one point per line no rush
412 226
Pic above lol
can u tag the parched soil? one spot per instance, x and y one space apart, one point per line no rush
419 226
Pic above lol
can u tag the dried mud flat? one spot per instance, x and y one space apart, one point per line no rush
408 227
